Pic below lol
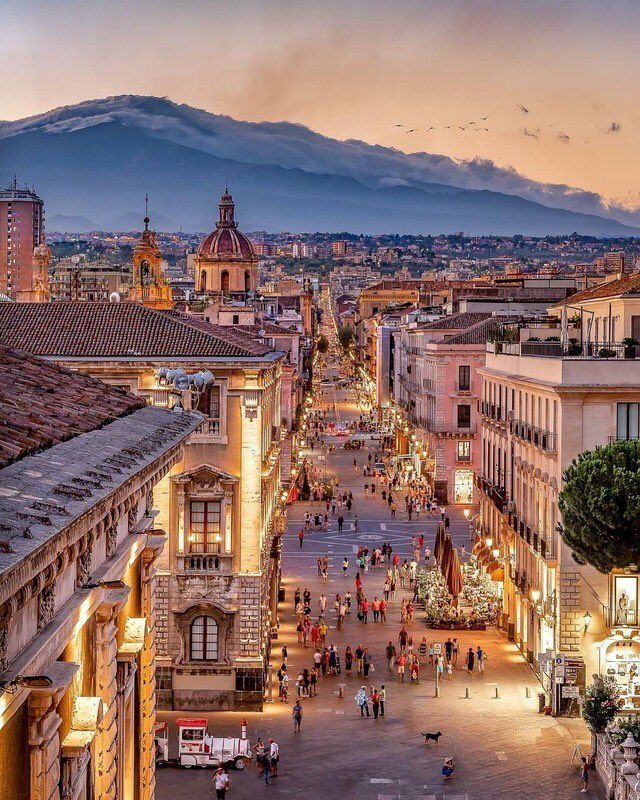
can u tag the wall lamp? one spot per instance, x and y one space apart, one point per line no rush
586 619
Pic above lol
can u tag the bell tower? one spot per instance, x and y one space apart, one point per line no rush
149 285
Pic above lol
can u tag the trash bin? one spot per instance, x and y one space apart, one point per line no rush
542 702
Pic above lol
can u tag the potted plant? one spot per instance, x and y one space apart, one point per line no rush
601 704
606 352
629 343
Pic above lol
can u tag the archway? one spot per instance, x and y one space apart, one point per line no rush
203 281
247 281
224 282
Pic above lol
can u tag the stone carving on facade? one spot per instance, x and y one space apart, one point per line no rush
84 567
46 606
112 540
4 642
132 518
149 505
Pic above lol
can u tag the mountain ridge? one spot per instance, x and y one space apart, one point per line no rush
96 159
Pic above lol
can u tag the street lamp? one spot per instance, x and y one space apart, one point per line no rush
586 619
489 541
467 513
535 595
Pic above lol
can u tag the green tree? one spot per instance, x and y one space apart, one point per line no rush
323 344
345 336
601 703
600 505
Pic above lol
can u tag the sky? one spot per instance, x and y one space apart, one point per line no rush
557 81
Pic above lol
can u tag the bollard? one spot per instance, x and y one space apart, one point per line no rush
243 729
527 692
466 693
341 690
497 694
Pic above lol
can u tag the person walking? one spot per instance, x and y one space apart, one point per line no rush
383 697
401 663
367 662
448 650
403 636
340 522
348 660
322 603
221 783
456 651
297 717
274 757
359 653
447 769
584 774
375 702
362 702
345 566
383 610
480 658
471 657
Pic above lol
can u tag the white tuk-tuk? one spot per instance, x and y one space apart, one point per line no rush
161 743
196 748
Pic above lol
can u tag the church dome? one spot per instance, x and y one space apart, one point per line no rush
226 243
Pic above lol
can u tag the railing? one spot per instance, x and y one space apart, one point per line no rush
497 494
553 349
162 397
205 563
209 426
490 410
618 768
538 437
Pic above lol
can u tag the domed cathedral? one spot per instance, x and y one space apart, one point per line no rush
149 285
226 264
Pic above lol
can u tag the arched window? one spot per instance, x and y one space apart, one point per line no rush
247 281
224 282
203 639
203 281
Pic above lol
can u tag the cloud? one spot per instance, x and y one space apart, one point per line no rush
615 127
294 146
563 137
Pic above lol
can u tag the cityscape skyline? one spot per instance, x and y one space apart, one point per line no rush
424 66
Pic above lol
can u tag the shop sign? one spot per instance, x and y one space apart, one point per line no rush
437 648
570 692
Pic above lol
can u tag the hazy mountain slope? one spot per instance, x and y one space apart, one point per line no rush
101 172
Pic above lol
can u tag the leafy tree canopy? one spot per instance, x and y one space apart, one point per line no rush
345 336
600 505
323 344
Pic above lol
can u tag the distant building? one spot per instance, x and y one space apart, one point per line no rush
21 231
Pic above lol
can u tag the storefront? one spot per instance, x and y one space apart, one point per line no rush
463 486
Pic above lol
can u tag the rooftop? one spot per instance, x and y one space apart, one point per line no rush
42 404
626 285
118 330
42 494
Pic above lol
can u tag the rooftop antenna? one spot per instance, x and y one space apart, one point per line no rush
146 212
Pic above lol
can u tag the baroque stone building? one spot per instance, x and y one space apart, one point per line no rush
226 264
221 506
79 462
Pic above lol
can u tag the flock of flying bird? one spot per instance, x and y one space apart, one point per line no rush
480 127
476 126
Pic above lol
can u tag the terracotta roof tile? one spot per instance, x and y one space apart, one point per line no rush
103 330
42 404
627 285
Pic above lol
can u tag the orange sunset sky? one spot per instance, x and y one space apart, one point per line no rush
354 69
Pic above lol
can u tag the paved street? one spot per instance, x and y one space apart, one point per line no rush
502 747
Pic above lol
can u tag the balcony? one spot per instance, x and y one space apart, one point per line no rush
538 437
497 494
209 432
547 348
491 411
205 564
